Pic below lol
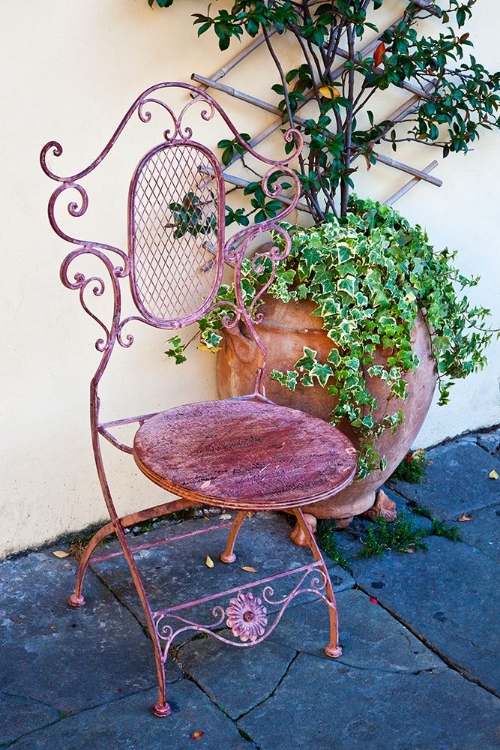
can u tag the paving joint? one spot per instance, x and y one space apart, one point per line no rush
458 668
275 689
121 600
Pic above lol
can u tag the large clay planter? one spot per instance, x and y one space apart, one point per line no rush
285 330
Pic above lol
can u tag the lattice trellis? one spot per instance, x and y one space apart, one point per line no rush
214 82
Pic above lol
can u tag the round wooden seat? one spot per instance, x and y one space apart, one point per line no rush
244 455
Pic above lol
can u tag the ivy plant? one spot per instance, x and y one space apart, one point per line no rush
341 74
370 273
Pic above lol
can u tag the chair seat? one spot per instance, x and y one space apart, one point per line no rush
244 455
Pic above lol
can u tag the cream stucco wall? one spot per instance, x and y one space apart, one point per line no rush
69 71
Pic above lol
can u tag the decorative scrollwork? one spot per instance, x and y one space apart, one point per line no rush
145 115
166 631
126 340
152 104
316 585
205 114
97 285
246 615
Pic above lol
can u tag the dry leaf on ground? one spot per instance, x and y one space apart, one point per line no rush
60 553
248 569
493 474
209 562
465 517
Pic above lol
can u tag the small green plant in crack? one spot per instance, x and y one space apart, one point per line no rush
326 538
438 528
400 535
144 526
420 510
244 735
141 527
412 467
403 536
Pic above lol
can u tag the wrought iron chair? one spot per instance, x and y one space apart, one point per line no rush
244 454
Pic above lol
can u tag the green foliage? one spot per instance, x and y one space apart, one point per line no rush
438 528
419 510
176 349
403 536
400 535
326 537
189 217
412 467
366 268
370 273
232 147
459 96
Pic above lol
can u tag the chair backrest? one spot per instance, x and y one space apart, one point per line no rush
176 232
176 222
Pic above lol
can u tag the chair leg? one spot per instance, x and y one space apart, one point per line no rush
228 555
77 599
161 707
332 649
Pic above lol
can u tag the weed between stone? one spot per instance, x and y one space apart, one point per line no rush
400 535
383 536
419 510
325 537
438 528
412 467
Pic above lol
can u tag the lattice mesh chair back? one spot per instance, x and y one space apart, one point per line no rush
176 225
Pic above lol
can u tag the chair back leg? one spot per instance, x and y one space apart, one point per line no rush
228 555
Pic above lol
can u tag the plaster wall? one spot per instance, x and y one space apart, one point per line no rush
69 71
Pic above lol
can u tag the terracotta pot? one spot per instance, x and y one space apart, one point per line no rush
285 330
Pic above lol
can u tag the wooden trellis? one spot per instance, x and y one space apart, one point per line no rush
418 93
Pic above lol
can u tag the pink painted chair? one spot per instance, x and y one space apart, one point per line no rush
245 454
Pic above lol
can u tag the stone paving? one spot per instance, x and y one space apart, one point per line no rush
420 668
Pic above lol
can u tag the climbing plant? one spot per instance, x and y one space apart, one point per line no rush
453 96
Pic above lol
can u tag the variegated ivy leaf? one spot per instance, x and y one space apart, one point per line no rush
321 372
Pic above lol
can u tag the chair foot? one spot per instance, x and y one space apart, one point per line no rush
227 558
76 601
161 709
228 555
333 651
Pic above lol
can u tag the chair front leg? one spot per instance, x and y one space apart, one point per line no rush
332 649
